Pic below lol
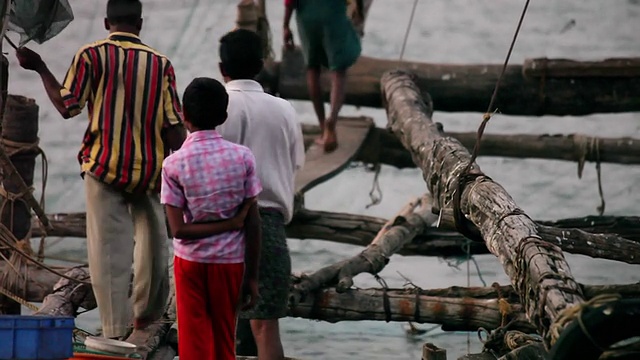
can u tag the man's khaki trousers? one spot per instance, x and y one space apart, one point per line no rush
115 221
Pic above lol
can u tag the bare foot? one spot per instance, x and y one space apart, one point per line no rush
330 140
319 140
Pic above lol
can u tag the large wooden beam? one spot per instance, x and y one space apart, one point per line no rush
466 87
537 269
456 308
605 237
573 147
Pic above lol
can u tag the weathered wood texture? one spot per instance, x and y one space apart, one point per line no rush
18 154
400 230
67 296
467 87
455 314
573 147
537 269
320 166
602 242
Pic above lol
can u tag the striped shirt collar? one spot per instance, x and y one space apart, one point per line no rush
124 36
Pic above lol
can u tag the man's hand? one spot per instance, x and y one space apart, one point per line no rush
249 294
238 220
29 59
287 38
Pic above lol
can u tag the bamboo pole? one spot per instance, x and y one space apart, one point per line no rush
537 269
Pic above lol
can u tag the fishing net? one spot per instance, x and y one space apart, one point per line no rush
39 20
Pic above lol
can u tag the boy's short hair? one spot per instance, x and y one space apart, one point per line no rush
125 12
205 103
241 54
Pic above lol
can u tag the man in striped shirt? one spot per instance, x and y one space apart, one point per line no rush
134 119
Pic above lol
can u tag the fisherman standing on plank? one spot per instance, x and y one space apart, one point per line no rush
134 114
328 39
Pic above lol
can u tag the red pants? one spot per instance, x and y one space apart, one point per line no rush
207 298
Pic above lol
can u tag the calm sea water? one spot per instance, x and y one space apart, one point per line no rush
447 31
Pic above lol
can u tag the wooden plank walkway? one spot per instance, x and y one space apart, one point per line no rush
320 166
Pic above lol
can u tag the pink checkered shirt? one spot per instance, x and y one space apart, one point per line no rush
209 178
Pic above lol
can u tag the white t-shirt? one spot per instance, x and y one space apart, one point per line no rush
268 126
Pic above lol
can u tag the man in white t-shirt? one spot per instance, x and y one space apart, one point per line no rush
268 126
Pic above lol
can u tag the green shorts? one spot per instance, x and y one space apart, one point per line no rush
327 36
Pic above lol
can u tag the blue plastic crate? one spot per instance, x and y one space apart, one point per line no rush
36 337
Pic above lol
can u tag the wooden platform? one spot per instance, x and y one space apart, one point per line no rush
320 166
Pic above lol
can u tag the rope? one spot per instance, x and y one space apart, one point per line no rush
464 176
406 34
18 299
571 313
590 145
9 240
14 148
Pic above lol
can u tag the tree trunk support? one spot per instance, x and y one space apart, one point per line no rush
536 268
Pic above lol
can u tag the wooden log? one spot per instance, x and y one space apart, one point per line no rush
456 308
537 269
41 282
467 87
67 296
18 153
565 68
454 314
405 226
361 229
432 352
572 147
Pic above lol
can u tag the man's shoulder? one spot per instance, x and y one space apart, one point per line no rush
136 46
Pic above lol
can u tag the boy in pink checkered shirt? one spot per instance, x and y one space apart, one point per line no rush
204 187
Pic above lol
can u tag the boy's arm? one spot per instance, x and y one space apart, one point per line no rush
194 231
253 239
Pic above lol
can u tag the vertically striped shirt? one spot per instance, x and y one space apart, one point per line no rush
130 93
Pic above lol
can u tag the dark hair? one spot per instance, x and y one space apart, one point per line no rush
205 103
124 12
241 54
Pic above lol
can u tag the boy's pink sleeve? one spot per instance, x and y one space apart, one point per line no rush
252 185
171 192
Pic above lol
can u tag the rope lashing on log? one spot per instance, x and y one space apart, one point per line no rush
522 265
575 313
595 328
465 177
8 239
13 148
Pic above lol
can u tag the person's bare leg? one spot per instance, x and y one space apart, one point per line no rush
338 82
315 93
267 335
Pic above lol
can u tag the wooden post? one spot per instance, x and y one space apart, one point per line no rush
19 140
432 352
537 269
